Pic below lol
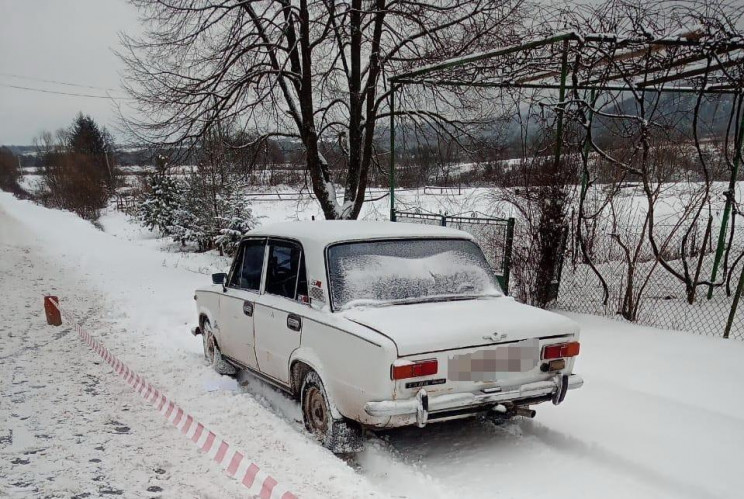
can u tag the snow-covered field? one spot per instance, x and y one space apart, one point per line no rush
661 413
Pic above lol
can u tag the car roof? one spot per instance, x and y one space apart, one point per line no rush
325 232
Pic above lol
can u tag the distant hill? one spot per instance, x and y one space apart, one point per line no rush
673 109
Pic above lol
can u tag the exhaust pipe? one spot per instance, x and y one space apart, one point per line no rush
524 411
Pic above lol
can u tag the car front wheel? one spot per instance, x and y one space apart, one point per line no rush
212 352
340 436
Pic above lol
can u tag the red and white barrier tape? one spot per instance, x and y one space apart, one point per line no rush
234 463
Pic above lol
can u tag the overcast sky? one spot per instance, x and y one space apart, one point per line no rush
68 41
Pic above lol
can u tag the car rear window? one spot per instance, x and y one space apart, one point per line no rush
376 273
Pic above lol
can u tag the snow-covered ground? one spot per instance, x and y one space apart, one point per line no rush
139 302
69 427
661 413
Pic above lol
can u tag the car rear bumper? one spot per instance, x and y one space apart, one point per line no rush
423 404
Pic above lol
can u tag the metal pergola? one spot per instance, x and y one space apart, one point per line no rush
693 62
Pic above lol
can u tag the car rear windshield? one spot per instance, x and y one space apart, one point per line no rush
377 273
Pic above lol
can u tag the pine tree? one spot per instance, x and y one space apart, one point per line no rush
78 168
203 208
9 171
162 201
188 227
86 138
237 220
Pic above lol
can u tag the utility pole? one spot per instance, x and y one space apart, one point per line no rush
108 166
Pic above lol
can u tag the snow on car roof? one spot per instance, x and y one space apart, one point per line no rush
324 232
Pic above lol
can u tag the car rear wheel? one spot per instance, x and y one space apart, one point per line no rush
212 352
340 436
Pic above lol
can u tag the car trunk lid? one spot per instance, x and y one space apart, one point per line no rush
439 326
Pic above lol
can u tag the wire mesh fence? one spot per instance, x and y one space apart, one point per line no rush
640 289
636 288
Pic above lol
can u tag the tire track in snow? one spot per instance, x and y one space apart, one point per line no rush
380 462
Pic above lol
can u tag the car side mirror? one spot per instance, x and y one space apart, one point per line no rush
219 278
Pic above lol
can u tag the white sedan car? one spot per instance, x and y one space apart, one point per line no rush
378 325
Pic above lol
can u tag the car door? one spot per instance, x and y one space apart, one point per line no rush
280 308
238 302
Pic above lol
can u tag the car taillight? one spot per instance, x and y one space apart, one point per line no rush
560 350
415 369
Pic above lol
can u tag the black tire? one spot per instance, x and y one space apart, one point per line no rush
340 436
212 352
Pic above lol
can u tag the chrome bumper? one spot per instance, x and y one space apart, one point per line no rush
423 404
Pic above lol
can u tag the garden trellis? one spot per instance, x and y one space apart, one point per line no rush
577 69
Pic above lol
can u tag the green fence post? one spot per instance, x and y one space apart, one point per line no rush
391 175
729 201
734 305
508 253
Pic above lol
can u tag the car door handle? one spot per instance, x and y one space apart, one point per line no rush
294 322
248 308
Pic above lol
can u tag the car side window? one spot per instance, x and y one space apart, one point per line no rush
248 266
235 269
285 272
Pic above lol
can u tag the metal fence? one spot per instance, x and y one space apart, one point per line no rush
494 235
660 299
126 203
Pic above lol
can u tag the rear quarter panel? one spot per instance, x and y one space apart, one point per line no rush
353 364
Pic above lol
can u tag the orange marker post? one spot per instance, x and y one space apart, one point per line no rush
53 317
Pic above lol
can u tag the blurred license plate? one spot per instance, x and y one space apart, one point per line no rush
484 365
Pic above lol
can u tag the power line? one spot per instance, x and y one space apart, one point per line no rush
107 97
31 78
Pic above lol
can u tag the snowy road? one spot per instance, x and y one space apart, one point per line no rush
661 414
64 406
70 427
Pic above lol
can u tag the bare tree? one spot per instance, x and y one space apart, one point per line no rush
76 174
642 144
310 70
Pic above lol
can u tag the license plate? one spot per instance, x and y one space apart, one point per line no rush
484 365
